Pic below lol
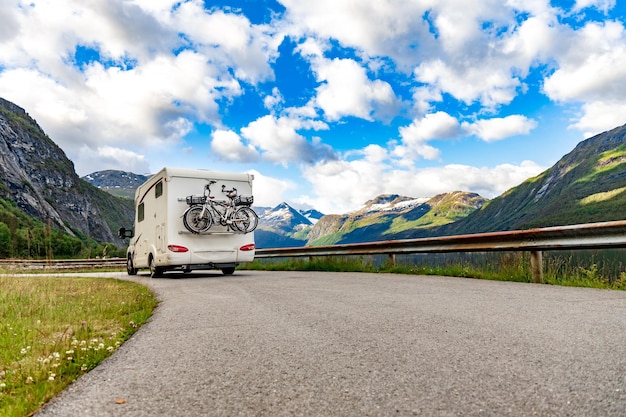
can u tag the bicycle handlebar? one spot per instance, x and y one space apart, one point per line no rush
232 193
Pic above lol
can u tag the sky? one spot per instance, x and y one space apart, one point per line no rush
329 103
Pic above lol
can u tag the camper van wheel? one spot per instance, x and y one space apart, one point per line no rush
228 271
130 268
155 271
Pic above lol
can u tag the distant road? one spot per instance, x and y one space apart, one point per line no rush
352 344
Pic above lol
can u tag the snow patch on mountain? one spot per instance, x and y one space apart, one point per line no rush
390 203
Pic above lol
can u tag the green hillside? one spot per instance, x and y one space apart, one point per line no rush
587 185
22 236
397 221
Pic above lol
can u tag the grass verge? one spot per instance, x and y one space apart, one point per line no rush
55 329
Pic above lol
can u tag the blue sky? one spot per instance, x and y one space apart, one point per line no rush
329 103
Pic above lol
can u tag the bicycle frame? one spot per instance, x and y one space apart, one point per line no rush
214 208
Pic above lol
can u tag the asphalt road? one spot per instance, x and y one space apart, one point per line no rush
351 344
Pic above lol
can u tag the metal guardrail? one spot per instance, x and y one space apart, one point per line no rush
62 264
602 235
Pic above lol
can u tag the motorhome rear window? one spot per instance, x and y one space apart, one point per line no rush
140 212
158 190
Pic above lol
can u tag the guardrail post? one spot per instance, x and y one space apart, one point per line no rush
392 259
536 266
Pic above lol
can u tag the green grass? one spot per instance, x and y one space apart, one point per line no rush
400 224
54 329
601 269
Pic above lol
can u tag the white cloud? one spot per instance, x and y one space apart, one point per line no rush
340 186
166 88
157 7
347 91
107 157
475 51
278 140
492 86
603 5
461 23
439 125
486 181
230 40
535 40
150 103
274 101
592 72
145 107
49 32
8 17
375 28
499 128
269 191
229 146
600 116
485 48
594 65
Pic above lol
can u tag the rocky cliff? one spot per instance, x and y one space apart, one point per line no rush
37 175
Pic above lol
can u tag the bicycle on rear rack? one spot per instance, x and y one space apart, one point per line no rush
234 213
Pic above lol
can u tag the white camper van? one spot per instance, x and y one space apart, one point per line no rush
162 240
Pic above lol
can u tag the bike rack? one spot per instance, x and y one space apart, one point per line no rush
187 232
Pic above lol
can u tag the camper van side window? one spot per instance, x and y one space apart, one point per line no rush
140 212
158 190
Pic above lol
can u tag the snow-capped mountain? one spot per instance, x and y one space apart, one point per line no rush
312 214
390 203
283 226
115 182
391 216
284 217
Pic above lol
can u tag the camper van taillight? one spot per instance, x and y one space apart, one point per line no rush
246 248
177 248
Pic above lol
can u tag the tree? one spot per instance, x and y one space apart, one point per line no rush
5 240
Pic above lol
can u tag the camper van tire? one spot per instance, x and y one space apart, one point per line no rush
228 271
155 271
130 268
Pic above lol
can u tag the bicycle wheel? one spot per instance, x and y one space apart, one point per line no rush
245 219
194 222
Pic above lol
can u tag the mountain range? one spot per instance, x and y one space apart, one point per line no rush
119 183
586 185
